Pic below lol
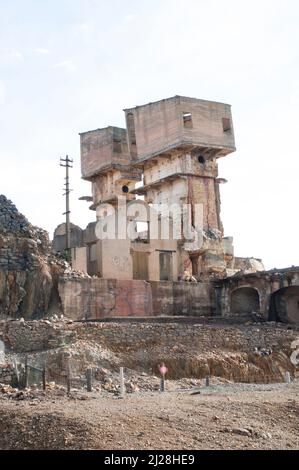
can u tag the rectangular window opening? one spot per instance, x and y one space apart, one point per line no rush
226 125
117 146
187 120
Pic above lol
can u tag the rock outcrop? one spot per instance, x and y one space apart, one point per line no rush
28 271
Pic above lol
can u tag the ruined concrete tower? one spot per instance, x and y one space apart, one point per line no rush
176 142
171 149
105 162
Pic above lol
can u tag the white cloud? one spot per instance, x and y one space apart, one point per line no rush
85 27
42 51
130 17
2 93
66 65
15 56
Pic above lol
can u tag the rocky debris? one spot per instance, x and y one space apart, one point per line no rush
257 354
31 393
169 421
14 394
70 273
187 277
11 221
249 432
259 351
240 431
29 271
27 337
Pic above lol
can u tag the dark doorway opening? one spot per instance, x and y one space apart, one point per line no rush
165 266
284 305
245 300
140 265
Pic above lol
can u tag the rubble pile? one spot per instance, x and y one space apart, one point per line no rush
11 221
30 393
71 273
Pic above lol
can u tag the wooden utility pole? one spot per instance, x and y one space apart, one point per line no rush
67 163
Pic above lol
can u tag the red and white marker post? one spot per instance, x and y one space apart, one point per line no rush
163 371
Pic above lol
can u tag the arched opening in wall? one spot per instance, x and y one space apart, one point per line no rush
284 305
245 300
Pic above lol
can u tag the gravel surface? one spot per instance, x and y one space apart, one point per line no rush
229 416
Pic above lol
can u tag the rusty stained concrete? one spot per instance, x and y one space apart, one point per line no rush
171 149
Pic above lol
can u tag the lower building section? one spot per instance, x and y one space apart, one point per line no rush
269 295
94 298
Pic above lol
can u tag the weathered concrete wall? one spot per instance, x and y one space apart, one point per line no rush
59 238
115 259
103 298
106 187
79 259
159 126
180 298
182 163
102 148
267 284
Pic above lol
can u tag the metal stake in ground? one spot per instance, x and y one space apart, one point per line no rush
163 371
68 377
121 383
26 372
89 380
287 378
44 376
16 372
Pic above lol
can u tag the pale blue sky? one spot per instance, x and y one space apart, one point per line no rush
68 66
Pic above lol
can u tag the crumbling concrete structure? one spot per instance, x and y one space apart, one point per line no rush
170 148
273 294
165 164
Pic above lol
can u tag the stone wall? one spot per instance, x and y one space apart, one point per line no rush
189 350
22 336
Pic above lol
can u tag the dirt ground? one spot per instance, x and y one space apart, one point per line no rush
220 417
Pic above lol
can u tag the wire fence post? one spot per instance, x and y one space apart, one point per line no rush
26 372
287 378
16 372
89 380
121 383
68 377
162 386
208 381
44 377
